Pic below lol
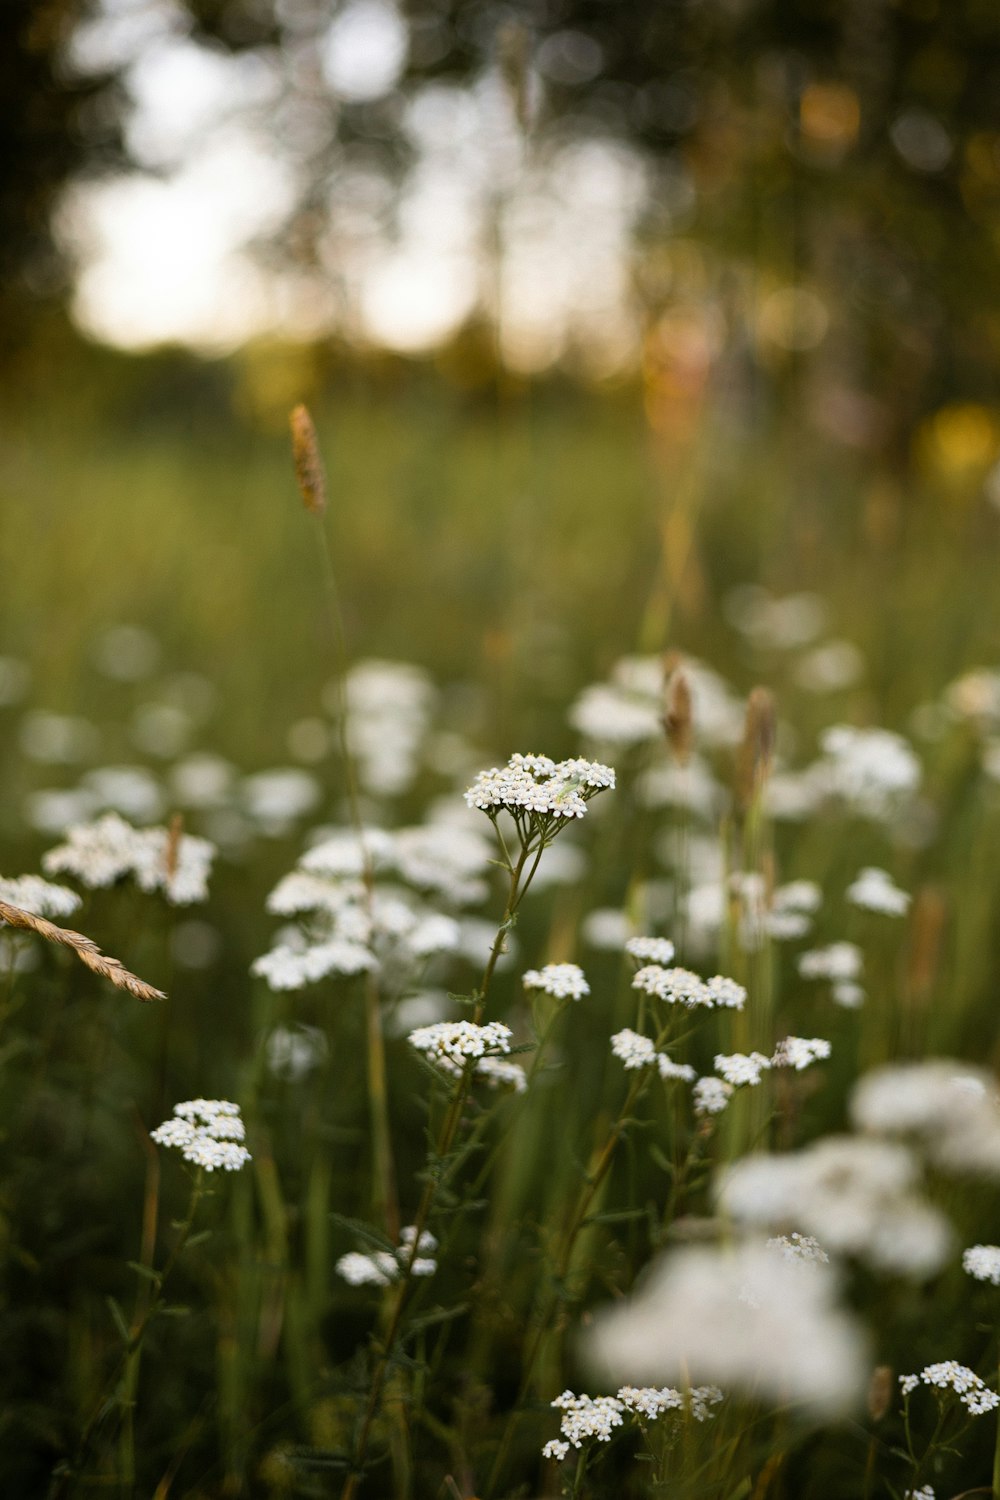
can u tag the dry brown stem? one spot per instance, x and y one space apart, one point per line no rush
85 949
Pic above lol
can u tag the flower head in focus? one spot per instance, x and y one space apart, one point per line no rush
207 1132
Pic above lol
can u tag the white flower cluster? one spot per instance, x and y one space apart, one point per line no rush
389 709
798 1247
564 981
652 1401
871 769
842 964
650 950
207 1132
638 1051
681 987
386 1266
39 897
799 1051
104 851
500 1074
741 1068
457 1041
711 1095
948 1375
875 890
537 785
588 1417
856 1196
951 1109
983 1262
925 1492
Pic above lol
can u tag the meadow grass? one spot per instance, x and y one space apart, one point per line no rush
514 556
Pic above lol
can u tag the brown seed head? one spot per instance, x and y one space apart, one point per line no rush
309 471
85 949
757 750
678 719
881 1389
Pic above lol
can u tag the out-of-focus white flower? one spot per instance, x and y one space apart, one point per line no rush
875 891
39 897
847 994
651 950
743 1318
160 859
129 790
207 1132
500 1074
389 709
634 1049
773 622
277 799
982 1262
871 769
948 1375
711 1095
202 780
830 667
606 928
294 1051
564 981
608 715
386 1266
951 1108
799 1051
800 1247
838 961
856 1196
57 739
740 1068
290 968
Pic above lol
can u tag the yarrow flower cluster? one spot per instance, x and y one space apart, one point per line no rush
638 1051
739 1068
798 1247
650 950
457 1041
982 1262
948 1375
386 1266
39 897
875 891
711 1095
536 785
160 859
681 987
207 1132
564 981
799 1051
597 1417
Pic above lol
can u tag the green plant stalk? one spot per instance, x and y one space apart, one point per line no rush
125 1374
442 1147
385 1199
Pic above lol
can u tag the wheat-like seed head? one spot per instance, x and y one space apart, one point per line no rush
85 949
309 471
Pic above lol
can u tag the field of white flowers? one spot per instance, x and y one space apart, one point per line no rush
576 1073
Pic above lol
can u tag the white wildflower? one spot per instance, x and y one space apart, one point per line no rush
501 1074
711 1095
875 891
386 1266
847 994
540 787
952 1108
741 1317
586 1417
925 1492
609 715
837 961
740 1068
207 1132
650 950
457 1041
670 1069
556 1449
982 1262
276 799
948 1375
675 986
289 968
652 1401
104 851
606 927
798 1247
635 1050
799 1051
39 897
564 981
872 769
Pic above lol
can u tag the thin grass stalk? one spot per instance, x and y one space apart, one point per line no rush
442 1148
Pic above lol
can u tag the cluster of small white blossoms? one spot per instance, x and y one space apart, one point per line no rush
535 784
799 1051
564 981
638 1051
459 1040
949 1375
841 964
925 1492
207 1132
39 897
681 987
650 950
875 890
745 1070
982 1262
798 1247
387 1266
872 769
102 852
711 1095
596 1417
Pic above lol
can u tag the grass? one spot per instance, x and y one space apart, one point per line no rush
515 553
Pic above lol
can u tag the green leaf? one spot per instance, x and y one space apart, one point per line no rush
367 1233
438 1315
621 1216
118 1318
146 1272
